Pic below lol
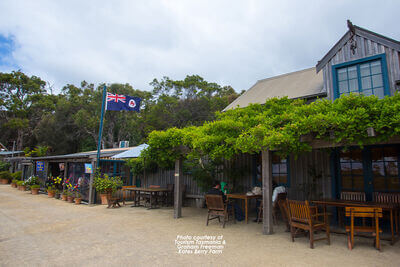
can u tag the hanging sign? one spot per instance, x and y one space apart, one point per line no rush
88 168
39 166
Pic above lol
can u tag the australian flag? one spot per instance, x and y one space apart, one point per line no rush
122 102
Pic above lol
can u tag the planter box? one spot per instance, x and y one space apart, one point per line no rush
4 181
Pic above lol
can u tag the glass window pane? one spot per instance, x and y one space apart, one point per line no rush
352 71
379 92
358 183
357 168
275 168
343 87
342 74
345 156
346 182
377 153
393 183
391 168
283 179
366 82
345 168
282 168
356 154
367 92
376 67
377 80
379 183
364 70
353 85
377 168
390 153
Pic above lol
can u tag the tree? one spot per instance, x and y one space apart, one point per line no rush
19 95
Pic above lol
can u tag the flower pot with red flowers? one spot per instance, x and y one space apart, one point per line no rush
35 189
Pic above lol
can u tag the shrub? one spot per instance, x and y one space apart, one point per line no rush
20 183
35 186
4 166
103 183
14 181
6 175
17 175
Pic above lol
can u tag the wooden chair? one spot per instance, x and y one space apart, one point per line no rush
304 217
285 213
275 208
363 212
390 198
126 193
217 208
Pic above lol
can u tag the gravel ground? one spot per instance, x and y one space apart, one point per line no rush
39 231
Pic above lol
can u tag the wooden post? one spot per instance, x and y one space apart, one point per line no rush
267 191
91 190
178 189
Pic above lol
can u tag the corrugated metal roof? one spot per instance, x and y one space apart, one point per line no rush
6 153
89 154
131 153
300 84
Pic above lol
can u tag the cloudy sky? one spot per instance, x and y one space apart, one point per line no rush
229 42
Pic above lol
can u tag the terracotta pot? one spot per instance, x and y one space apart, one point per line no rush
35 191
14 185
57 195
104 198
3 181
51 193
23 188
70 199
64 197
78 201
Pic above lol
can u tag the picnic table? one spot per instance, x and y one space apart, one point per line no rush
153 192
245 198
391 207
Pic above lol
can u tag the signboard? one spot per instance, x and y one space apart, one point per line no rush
88 168
39 166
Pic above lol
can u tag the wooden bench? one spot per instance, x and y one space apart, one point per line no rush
363 212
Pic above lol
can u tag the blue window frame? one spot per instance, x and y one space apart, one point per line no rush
280 170
366 76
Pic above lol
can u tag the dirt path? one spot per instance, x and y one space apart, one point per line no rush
38 231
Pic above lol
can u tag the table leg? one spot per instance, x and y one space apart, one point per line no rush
246 208
391 226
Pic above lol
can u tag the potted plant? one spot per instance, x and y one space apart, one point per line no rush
106 185
14 183
78 197
21 185
35 189
51 191
64 195
70 197
5 177
57 194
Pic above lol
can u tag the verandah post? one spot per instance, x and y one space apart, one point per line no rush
266 173
178 189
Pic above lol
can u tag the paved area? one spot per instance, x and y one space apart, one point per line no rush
38 231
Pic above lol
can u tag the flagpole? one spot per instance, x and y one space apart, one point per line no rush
101 125
91 195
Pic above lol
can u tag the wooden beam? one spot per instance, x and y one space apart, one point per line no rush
91 189
266 174
178 189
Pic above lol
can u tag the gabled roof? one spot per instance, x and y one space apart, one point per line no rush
355 30
300 84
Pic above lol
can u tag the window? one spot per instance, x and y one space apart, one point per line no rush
351 170
280 170
385 169
367 76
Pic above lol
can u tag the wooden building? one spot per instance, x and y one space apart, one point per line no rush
361 62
